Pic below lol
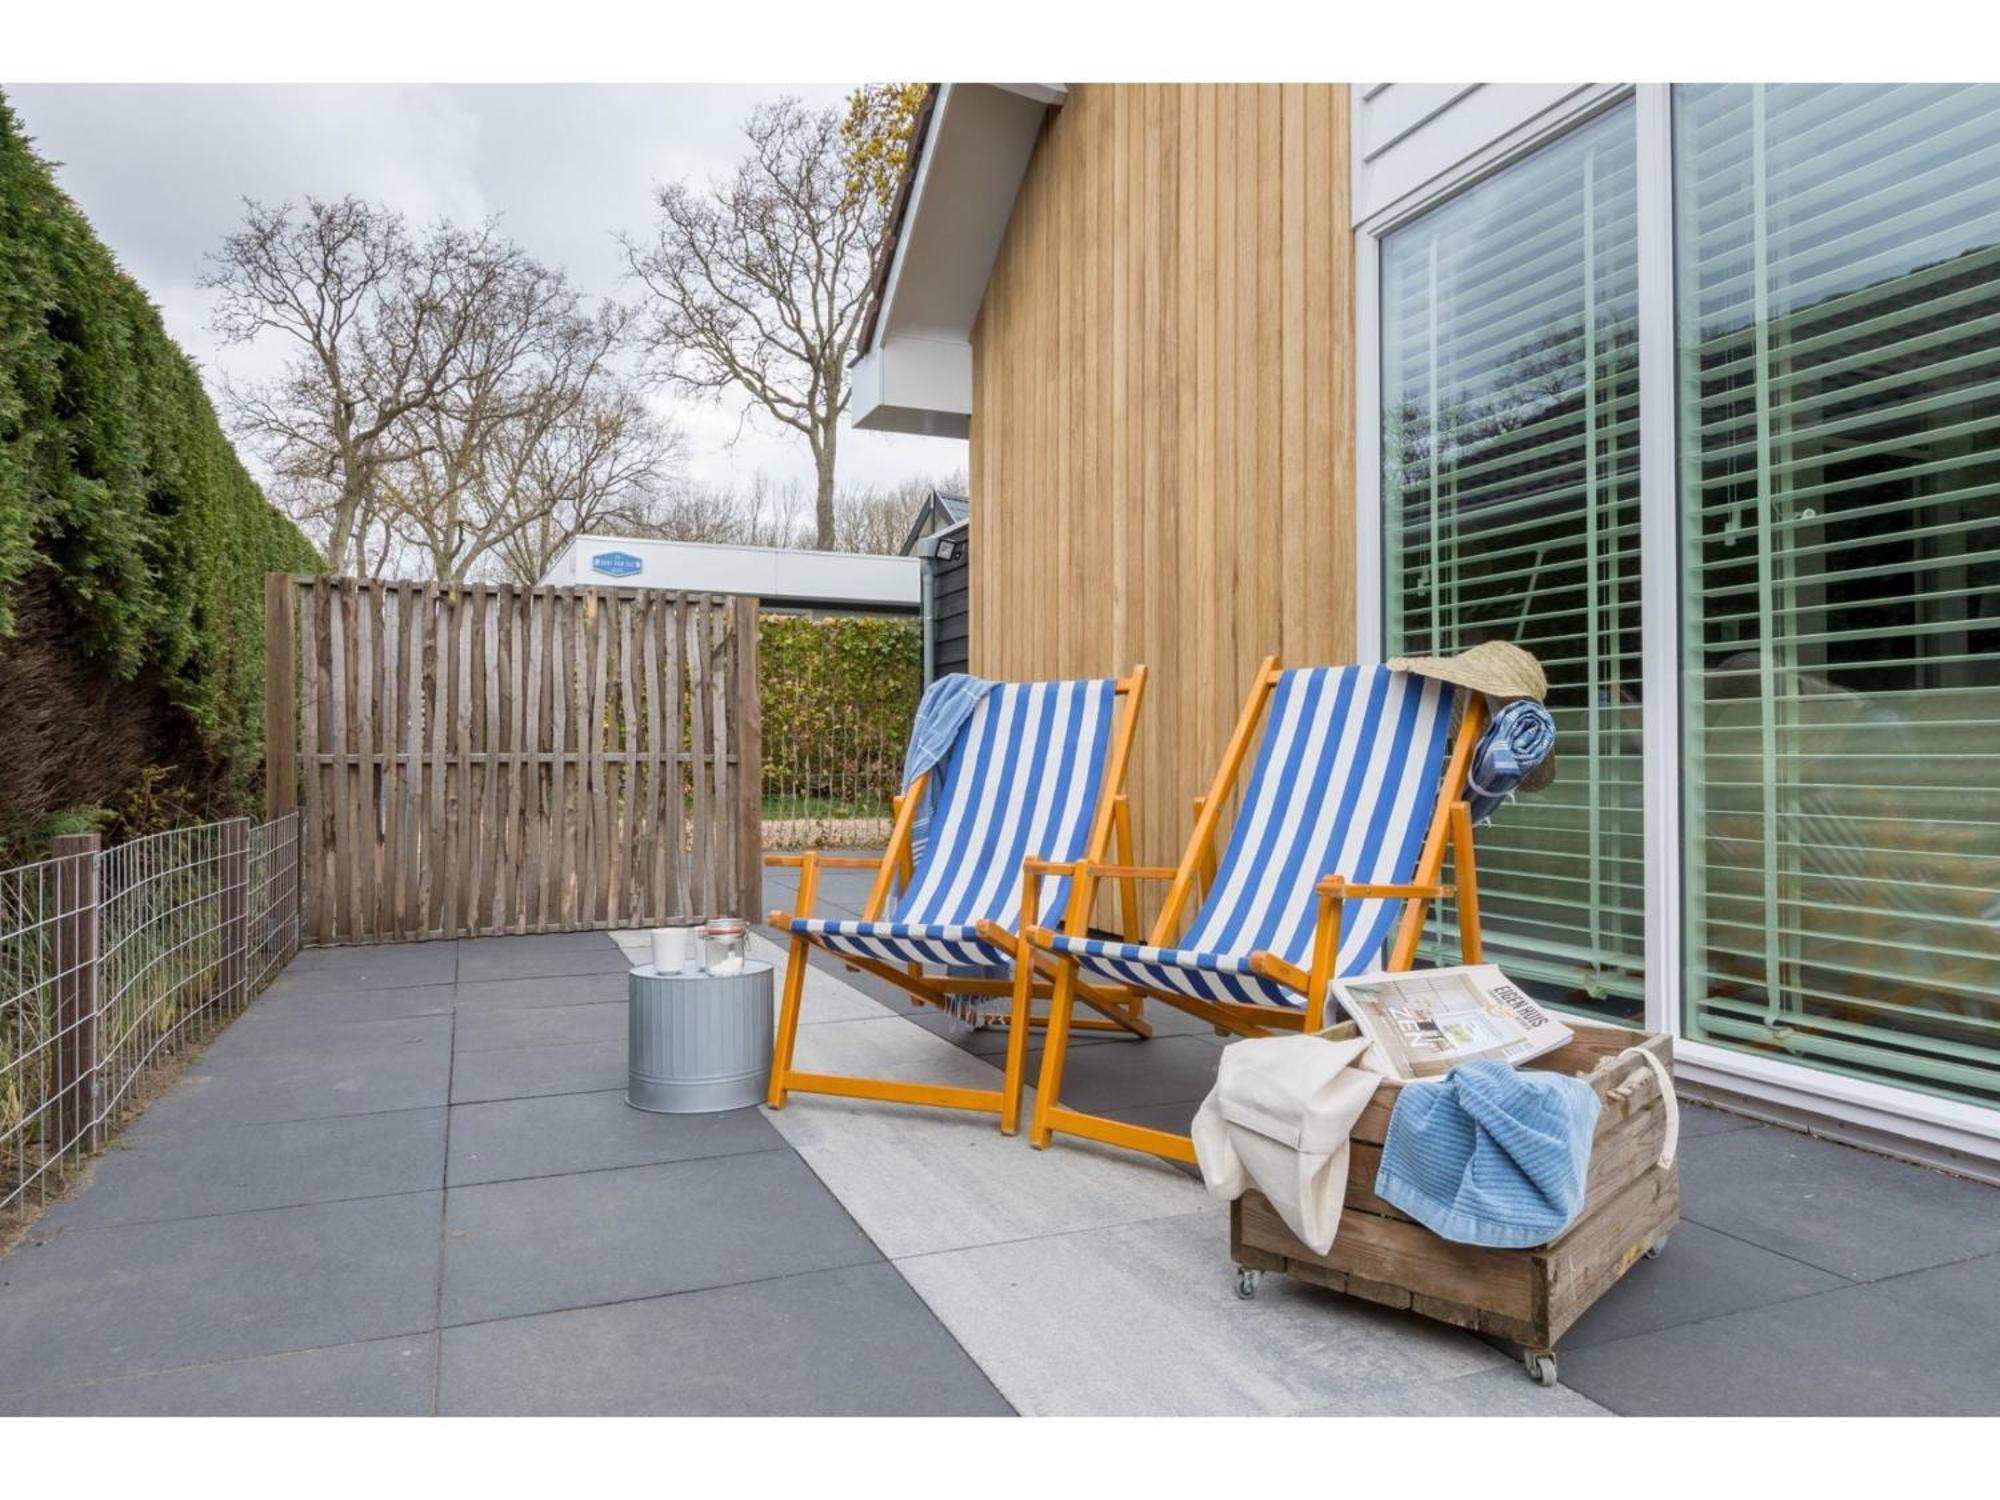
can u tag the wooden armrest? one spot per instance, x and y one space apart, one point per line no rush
824 861
783 861
1270 966
1336 885
1100 872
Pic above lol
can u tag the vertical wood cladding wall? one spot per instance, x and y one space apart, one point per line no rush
1162 427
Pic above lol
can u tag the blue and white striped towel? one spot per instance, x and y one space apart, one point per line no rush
947 703
1492 1155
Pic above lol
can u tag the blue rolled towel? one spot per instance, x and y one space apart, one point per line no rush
1491 1155
1521 736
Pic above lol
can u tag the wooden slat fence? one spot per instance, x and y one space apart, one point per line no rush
477 759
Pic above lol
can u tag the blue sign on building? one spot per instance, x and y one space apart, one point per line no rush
616 564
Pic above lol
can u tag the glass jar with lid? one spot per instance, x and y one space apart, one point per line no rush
725 945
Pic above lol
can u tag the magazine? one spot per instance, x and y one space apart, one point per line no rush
1426 1022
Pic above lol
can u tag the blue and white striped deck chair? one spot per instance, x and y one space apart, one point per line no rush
1037 770
1340 831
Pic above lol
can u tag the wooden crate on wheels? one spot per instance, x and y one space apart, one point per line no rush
1527 1297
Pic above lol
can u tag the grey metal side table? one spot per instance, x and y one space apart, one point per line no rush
698 1043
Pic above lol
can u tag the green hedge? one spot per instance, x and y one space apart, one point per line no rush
838 695
116 477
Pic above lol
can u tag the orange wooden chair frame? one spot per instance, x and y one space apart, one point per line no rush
1034 978
1451 826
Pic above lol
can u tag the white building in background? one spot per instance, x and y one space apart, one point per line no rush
783 578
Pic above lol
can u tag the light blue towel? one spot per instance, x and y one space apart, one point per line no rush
947 703
1492 1155
1519 739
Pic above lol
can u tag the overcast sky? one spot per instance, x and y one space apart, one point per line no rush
161 169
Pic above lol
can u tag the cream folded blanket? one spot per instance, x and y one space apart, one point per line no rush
1278 1120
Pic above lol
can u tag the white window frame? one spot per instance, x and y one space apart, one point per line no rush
1944 1129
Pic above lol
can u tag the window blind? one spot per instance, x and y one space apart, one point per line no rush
1510 453
1838 264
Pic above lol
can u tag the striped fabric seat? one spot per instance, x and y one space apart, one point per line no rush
1345 783
1023 780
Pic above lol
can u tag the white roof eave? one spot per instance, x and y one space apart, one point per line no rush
916 374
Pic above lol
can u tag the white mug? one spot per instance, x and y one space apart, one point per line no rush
673 949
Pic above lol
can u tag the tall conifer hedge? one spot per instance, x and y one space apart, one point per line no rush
117 485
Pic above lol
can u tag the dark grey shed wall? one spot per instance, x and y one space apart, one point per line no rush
950 590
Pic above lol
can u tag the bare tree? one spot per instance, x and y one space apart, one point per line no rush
382 322
876 519
758 283
767 514
542 430
608 465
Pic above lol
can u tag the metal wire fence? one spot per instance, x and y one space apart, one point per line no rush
836 786
837 697
111 961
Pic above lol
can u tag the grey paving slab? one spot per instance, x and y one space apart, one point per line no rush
234 1168
526 1072
921 1180
1487 1393
1700 1274
1164 1070
493 1028
989 1042
397 1065
850 1342
540 992
841 891
992 1041
1834 1206
1177 1116
387 965
1706 1119
1920 1344
828 1000
636 944
587 1133
537 962
316 1035
593 1237
1141 1320
382 1378
512 944
87 1304
285 1005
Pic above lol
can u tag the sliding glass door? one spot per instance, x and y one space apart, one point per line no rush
1510 503
1837 254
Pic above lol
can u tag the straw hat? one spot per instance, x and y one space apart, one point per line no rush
1499 669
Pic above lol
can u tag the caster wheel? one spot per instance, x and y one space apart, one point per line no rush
1247 1282
1653 1250
1541 1368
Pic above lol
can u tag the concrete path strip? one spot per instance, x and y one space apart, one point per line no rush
1089 1281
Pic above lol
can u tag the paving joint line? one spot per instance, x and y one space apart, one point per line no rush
236 1213
444 1222
210 1364
628 1166
1813 1265
690 1291
1825 1291
1058 1234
